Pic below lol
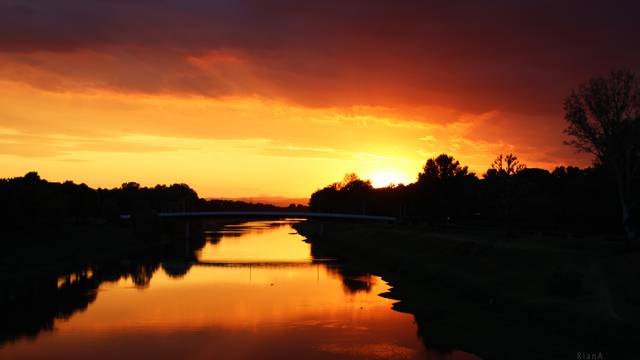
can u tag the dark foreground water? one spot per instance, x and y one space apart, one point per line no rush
256 292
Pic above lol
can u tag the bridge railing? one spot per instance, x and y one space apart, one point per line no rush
271 214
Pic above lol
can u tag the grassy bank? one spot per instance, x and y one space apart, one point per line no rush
531 297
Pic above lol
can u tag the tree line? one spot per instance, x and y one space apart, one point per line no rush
603 119
510 194
36 209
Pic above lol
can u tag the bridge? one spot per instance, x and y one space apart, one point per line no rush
269 214
258 264
250 265
188 215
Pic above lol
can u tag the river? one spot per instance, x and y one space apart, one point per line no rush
254 292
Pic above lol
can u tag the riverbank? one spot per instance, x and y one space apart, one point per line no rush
531 297
78 246
51 277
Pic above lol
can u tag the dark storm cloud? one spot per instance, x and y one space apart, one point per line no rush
514 56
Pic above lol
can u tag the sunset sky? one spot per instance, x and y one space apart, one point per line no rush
243 98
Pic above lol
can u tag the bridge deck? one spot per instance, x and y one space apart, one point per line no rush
269 214
262 263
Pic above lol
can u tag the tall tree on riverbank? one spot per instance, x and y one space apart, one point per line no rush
501 182
349 195
445 189
442 167
604 120
507 165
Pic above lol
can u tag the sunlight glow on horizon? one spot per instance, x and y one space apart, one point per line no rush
384 178
227 147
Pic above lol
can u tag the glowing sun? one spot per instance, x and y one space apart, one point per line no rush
385 178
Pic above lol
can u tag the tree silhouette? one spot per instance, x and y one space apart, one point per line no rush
442 167
348 179
507 165
445 189
604 120
503 185
349 195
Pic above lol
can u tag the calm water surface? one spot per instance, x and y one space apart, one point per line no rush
256 292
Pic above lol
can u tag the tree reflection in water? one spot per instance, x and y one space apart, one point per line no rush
33 305
30 307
